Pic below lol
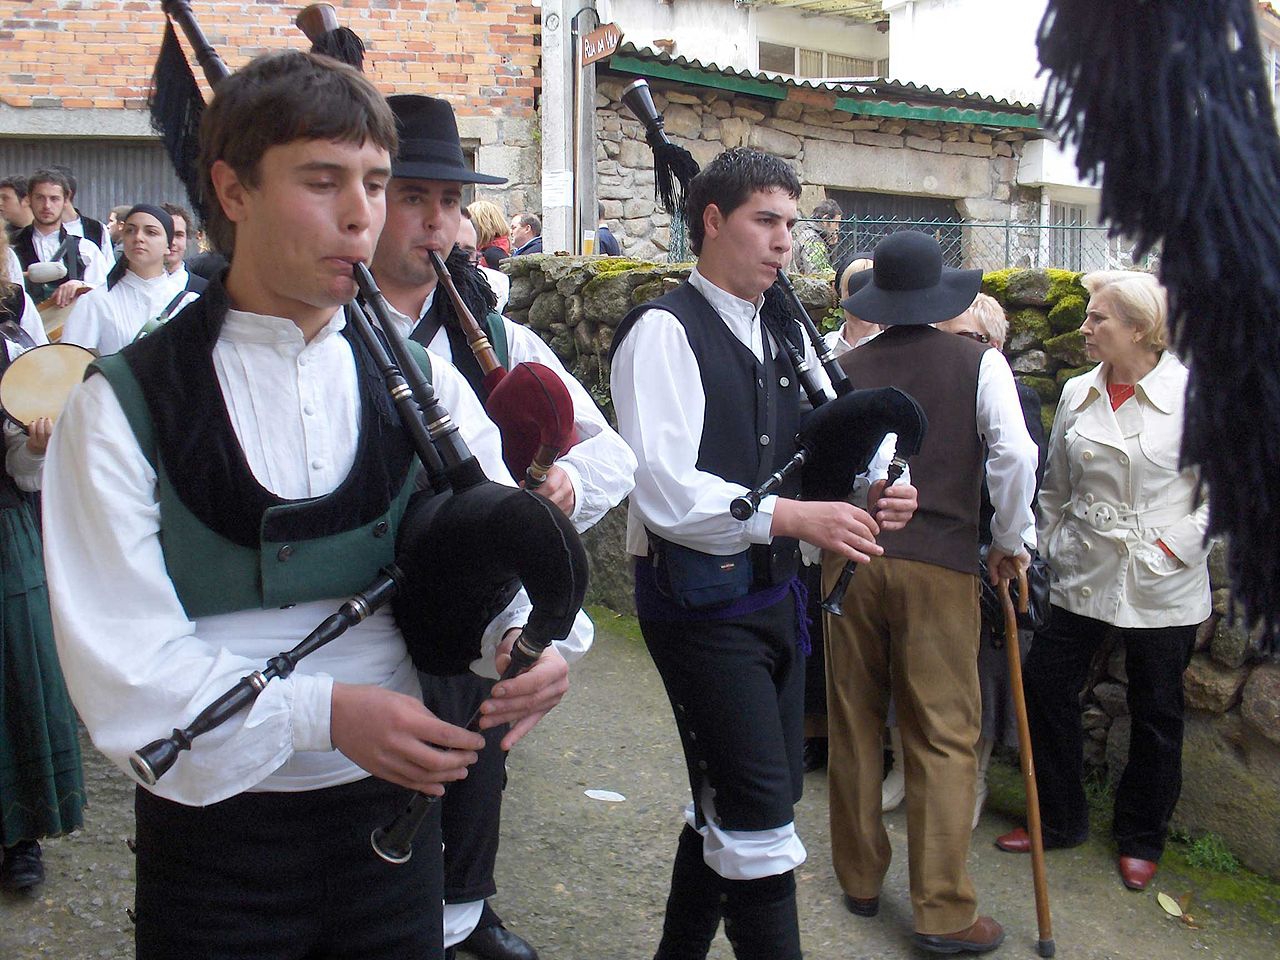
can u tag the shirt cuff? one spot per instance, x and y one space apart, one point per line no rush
760 523
575 481
312 712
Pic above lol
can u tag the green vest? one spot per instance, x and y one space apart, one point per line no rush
213 575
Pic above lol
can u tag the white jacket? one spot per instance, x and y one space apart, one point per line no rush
1112 487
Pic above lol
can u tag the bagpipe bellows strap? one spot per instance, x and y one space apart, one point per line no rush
1171 103
176 106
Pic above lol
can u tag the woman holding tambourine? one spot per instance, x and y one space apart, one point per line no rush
41 782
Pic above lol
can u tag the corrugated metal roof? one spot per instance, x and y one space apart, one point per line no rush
870 88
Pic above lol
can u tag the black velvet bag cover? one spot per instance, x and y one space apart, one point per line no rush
843 435
464 556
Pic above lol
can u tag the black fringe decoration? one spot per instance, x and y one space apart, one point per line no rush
673 168
176 106
341 44
1170 101
472 286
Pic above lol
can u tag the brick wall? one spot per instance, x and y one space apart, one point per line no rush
79 54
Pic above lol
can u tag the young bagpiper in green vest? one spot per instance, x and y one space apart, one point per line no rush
215 495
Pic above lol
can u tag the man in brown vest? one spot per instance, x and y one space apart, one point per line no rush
911 618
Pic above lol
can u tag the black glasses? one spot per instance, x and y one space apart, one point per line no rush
974 335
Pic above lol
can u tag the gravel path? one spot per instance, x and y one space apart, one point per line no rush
584 879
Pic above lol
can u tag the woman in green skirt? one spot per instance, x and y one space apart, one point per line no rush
41 781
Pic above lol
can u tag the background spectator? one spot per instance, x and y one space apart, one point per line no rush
493 235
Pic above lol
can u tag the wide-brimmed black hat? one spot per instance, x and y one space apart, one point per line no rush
429 145
909 284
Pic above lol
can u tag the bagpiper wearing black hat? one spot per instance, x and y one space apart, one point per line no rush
424 201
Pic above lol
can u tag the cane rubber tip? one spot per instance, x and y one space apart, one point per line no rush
1045 948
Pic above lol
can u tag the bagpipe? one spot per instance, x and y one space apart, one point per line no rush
464 547
841 435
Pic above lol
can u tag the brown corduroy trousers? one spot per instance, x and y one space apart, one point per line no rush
909 628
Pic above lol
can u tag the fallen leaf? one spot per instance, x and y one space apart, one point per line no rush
1170 905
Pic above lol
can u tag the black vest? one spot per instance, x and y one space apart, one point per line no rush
752 410
24 246
205 463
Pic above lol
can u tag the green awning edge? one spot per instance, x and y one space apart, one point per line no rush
904 111
778 91
700 78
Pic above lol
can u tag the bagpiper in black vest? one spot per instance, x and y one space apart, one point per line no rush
752 410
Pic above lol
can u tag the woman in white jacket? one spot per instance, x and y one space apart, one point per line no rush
1120 526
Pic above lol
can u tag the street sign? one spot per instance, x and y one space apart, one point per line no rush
600 43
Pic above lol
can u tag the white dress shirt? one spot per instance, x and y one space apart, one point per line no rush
657 394
12 265
96 263
600 466
1011 455
76 226
108 320
135 664
24 466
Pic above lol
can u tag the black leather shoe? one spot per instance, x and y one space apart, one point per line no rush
22 868
497 943
814 755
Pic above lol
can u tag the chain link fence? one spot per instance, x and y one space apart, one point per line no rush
986 245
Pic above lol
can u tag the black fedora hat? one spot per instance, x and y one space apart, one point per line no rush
429 145
909 284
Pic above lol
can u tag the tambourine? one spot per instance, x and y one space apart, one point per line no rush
39 381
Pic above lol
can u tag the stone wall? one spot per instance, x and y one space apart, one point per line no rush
829 148
1231 755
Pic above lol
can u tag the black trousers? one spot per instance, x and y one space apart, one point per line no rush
737 689
285 876
471 812
1056 669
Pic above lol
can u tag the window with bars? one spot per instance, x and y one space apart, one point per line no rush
1066 237
807 64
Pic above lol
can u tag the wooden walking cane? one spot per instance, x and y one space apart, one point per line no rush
1044 946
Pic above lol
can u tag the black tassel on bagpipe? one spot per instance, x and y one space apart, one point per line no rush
176 106
341 44
472 287
1171 102
673 165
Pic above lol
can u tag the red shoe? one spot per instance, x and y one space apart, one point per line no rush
1136 873
1015 841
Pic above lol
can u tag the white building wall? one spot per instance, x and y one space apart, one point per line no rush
728 34
829 34
987 46
713 31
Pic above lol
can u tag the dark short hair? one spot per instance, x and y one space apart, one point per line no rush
56 177
729 179
72 186
826 210
532 221
281 98
17 184
177 210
